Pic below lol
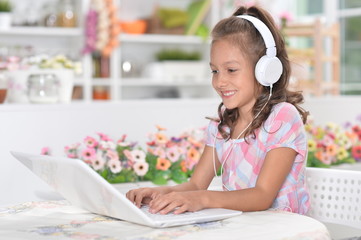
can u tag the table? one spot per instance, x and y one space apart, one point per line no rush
60 220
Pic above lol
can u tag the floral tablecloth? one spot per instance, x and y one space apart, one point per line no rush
60 220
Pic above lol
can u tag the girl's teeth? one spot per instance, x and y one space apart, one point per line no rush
228 93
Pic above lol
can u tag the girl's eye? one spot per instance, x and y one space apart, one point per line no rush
214 71
232 70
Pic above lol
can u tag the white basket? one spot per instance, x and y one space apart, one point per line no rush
335 196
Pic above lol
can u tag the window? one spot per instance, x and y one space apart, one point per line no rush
348 13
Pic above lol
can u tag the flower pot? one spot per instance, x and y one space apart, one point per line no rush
177 71
5 20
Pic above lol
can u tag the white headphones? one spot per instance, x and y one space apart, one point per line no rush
268 68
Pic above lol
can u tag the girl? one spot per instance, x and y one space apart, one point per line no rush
258 142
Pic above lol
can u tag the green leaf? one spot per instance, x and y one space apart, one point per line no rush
160 180
347 160
117 179
179 176
161 177
104 173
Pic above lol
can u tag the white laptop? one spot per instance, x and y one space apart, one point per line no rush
83 187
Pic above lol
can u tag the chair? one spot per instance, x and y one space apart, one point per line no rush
335 196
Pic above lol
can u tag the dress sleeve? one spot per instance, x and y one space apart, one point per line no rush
284 128
212 131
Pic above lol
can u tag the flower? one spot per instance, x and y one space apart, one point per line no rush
173 153
99 162
173 157
138 155
167 157
141 168
162 164
356 152
90 142
71 151
114 166
40 61
88 154
333 144
45 151
286 16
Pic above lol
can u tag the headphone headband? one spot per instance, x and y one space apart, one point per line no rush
265 33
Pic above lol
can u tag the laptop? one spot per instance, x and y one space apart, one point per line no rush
83 187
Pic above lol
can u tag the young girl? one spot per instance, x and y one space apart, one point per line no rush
258 142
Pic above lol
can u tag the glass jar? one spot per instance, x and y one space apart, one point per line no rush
50 15
66 15
43 88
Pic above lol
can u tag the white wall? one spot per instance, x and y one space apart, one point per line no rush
28 128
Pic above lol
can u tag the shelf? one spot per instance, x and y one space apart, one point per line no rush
101 82
43 31
78 81
158 38
144 82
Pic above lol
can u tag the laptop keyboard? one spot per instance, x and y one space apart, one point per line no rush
171 215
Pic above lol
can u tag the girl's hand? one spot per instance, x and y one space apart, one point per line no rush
145 195
180 202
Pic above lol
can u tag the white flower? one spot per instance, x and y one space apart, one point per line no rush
114 166
123 144
141 168
107 145
98 162
138 155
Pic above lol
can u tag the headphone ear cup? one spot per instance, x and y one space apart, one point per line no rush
268 70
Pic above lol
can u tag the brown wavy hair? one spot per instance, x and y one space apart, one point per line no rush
242 33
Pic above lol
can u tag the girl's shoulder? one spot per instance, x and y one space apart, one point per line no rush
284 111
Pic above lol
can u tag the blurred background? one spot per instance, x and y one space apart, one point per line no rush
55 51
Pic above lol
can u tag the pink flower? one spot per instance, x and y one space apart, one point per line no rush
128 155
90 142
71 151
356 152
88 154
173 154
114 166
104 137
324 158
287 16
112 155
159 152
45 151
141 168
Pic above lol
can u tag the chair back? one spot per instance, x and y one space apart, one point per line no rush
335 195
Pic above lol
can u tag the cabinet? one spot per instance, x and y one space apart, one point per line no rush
316 67
138 50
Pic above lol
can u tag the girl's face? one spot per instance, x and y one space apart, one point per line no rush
233 76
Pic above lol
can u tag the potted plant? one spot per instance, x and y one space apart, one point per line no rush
5 14
177 65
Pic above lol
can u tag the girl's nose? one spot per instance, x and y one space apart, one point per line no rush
220 80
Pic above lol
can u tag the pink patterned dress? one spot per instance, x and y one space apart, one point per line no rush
283 128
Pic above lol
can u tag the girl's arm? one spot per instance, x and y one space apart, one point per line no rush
277 165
